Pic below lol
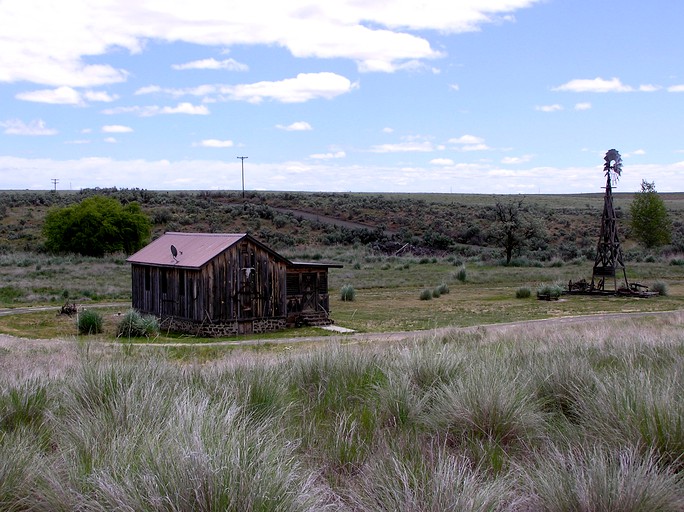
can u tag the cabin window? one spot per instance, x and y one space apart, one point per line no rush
164 281
148 279
181 283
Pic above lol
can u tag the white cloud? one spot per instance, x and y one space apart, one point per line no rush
408 144
469 143
549 108
18 127
101 96
228 64
467 139
328 156
302 88
594 85
387 129
330 175
65 96
299 126
376 37
636 152
116 128
154 110
455 87
583 106
675 88
442 161
649 88
515 160
215 143
110 140
59 96
411 146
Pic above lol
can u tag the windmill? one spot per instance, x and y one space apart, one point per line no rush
609 259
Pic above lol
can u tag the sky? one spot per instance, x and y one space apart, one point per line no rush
455 96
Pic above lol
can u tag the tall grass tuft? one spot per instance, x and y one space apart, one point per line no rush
462 274
136 325
645 411
523 293
347 293
660 287
89 322
438 482
600 479
488 409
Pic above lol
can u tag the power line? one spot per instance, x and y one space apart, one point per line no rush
54 182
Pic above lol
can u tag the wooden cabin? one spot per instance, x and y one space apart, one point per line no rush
218 284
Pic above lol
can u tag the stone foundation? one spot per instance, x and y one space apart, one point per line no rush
223 329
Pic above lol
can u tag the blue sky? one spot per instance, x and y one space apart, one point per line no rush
462 96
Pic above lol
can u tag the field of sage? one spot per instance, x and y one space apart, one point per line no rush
527 418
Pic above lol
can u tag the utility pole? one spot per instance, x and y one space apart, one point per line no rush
242 158
54 182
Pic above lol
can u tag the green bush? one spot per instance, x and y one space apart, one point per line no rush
436 293
660 287
426 294
523 293
135 325
462 274
347 293
89 322
549 291
96 226
443 289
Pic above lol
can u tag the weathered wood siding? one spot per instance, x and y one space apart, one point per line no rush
307 289
245 281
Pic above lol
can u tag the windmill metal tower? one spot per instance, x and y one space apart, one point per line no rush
609 261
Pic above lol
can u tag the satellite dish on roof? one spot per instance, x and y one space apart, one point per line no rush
174 253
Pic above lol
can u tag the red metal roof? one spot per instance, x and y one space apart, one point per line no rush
192 249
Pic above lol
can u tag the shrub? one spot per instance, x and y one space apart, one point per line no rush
523 293
461 274
436 293
677 261
347 293
549 291
96 226
443 289
135 325
89 322
660 287
426 294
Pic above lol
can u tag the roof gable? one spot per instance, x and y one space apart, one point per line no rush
193 250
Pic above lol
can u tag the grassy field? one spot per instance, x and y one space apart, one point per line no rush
520 419
478 415
387 297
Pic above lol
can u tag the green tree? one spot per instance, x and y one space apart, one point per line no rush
96 226
650 221
514 227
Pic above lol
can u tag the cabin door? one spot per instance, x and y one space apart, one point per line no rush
309 296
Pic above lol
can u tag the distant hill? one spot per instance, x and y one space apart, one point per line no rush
425 223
